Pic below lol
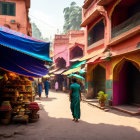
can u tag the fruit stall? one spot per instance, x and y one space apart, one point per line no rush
22 58
16 99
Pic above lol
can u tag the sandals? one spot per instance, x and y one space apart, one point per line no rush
76 121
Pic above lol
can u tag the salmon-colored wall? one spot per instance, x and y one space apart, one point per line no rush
21 18
125 48
76 37
87 12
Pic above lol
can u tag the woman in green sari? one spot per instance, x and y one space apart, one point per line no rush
75 98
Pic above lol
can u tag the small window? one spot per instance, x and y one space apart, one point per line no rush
7 8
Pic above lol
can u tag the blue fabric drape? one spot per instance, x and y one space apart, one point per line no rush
24 44
17 62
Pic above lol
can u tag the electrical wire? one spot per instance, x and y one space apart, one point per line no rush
42 21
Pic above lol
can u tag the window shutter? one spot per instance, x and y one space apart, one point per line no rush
7 8
12 9
4 9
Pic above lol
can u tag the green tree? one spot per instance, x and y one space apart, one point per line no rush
72 17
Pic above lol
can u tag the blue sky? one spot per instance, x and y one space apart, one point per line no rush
48 15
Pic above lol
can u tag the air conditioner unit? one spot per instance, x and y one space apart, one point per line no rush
13 21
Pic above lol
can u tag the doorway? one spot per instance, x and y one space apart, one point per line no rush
99 80
127 89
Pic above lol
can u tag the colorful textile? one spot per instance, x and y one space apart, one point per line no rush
75 100
24 44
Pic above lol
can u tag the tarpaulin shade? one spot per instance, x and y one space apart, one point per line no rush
52 71
78 64
76 76
82 71
75 59
60 71
20 63
96 59
52 75
24 44
70 71
91 55
46 76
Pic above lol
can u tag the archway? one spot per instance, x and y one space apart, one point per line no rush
126 83
99 80
125 16
76 52
60 62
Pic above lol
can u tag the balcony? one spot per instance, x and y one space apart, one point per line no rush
87 3
90 14
104 2
96 44
127 25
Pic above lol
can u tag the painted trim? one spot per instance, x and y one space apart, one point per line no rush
113 8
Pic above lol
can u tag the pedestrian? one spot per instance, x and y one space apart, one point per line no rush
75 98
56 86
46 86
39 88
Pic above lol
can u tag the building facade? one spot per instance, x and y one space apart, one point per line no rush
113 42
14 15
68 49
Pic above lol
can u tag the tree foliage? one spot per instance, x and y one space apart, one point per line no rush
72 17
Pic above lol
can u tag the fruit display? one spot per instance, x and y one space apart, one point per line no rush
16 96
34 106
21 118
6 106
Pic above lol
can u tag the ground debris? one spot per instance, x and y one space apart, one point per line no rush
6 135
9 135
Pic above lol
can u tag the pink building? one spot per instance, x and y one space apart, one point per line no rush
68 47
14 15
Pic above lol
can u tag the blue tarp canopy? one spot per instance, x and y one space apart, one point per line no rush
24 44
22 54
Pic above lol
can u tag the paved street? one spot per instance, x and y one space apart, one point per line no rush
56 123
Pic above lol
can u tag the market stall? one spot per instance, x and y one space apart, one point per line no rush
22 58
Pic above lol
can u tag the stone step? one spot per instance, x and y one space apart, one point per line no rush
134 113
96 105
91 100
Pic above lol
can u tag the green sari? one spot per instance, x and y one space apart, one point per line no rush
75 100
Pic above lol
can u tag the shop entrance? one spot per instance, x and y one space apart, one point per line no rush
126 88
99 79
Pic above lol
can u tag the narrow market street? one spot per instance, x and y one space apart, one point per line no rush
55 123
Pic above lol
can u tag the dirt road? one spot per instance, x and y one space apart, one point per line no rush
56 123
